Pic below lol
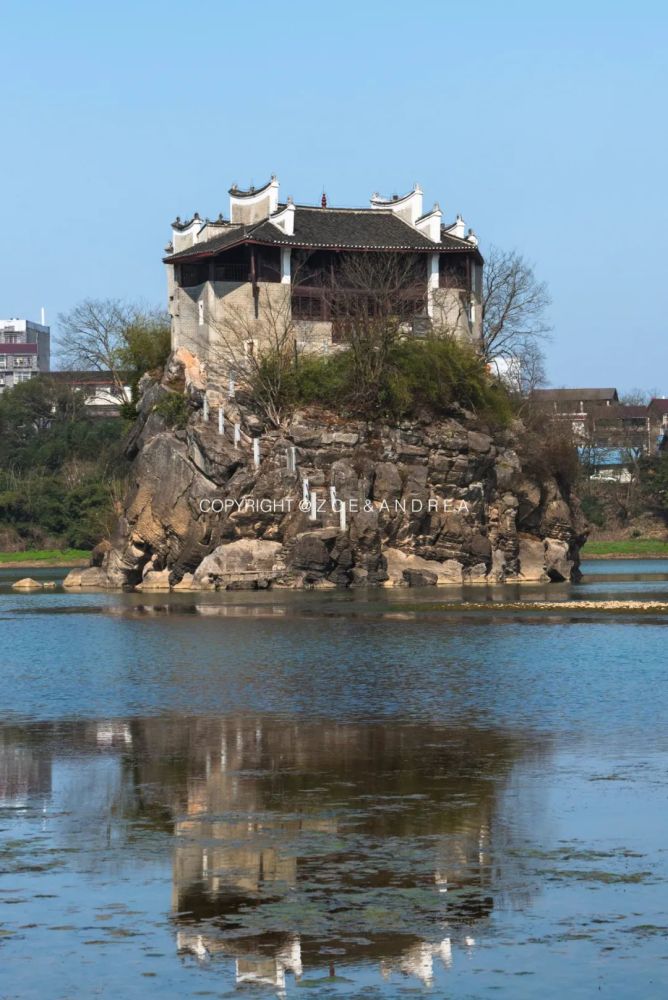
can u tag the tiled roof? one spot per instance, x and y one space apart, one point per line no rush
584 395
350 228
77 378
332 228
629 411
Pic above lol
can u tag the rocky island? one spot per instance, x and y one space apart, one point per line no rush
220 500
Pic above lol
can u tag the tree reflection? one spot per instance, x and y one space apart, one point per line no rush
300 845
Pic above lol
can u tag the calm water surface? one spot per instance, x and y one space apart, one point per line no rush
371 795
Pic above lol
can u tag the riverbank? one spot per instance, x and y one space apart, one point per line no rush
45 558
626 548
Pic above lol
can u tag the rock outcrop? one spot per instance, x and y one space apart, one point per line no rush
27 583
427 502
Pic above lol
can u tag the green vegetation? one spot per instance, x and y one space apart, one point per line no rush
654 482
174 410
62 470
627 547
32 556
593 510
435 374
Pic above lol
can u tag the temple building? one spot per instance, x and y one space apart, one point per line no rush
275 258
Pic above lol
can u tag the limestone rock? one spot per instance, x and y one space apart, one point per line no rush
420 578
27 583
531 558
246 561
401 483
478 442
387 484
399 563
94 576
558 565
154 580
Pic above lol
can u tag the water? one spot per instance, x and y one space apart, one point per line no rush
347 794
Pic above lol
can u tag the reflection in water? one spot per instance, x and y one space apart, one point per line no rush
296 845
203 833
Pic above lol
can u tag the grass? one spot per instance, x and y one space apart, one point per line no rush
32 556
627 547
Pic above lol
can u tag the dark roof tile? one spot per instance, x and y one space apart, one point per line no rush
332 228
592 395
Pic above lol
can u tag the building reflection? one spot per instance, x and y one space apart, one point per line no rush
371 843
25 770
298 847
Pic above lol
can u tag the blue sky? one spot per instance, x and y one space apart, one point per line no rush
544 125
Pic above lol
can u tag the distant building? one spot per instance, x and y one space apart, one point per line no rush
25 351
102 396
657 412
277 255
575 402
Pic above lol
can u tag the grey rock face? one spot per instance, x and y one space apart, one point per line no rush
426 503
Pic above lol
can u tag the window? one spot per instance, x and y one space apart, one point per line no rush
194 274
23 361
230 271
11 338
309 307
452 272
23 376
476 275
3 360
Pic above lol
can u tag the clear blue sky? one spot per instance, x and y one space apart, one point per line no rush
544 125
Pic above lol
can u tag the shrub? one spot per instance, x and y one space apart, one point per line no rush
433 375
174 410
547 448
592 508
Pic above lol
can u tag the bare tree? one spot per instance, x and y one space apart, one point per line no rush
112 336
636 397
257 346
514 305
371 299
524 371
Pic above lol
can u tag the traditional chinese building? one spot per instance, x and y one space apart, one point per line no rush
273 255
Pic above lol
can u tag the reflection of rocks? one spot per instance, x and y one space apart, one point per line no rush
275 813
293 843
396 481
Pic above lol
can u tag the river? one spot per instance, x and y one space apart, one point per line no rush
376 794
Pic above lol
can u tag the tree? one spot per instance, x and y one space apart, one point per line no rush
654 483
257 348
523 372
371 298
109 335
514 304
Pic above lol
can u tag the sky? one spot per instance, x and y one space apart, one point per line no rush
544 125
